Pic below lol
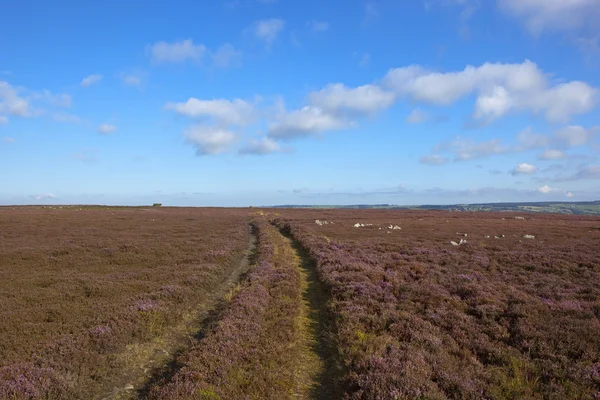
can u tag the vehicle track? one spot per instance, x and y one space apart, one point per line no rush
156 359
318 373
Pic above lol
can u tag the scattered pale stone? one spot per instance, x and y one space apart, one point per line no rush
454 243
528 237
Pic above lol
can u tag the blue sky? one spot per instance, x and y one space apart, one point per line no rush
253 102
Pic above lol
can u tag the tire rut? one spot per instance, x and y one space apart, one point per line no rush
318 373
157 359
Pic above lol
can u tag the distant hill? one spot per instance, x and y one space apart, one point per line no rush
580 207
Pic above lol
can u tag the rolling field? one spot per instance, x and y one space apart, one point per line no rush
168 303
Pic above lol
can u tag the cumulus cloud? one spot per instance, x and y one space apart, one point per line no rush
176 52
553 15
434 160
230 112
261 147
417 116
106 129
552 154
226 56
362 100
267 30
499 89
307 121
574 135
546 189
317 26
524 169
209 140
90 80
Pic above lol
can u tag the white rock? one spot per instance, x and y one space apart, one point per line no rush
528 237
357 225
454 243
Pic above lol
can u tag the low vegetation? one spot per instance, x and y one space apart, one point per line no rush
352 304
252 351
495 318
80 288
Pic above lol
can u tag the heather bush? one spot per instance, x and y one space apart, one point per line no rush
496 318
252 351
78 291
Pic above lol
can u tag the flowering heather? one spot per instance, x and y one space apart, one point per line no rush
251 352
494 318
78 289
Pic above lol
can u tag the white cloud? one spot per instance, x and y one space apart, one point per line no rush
552 154
11 103
47 196
363 100
230 112
317 26
417 116
3 120
464 149
90 80
209 140
574 135
546 189
306 121
176 52
8 140
553 15
569 194
226 56
267 30
434 160
524 169
261 147
499 89
106 129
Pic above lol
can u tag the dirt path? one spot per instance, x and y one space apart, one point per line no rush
317 374
156 359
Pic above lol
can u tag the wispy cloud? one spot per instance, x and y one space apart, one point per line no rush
317 26
226 56
176 52
91 80
434 160
268 30
8 140
106 129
